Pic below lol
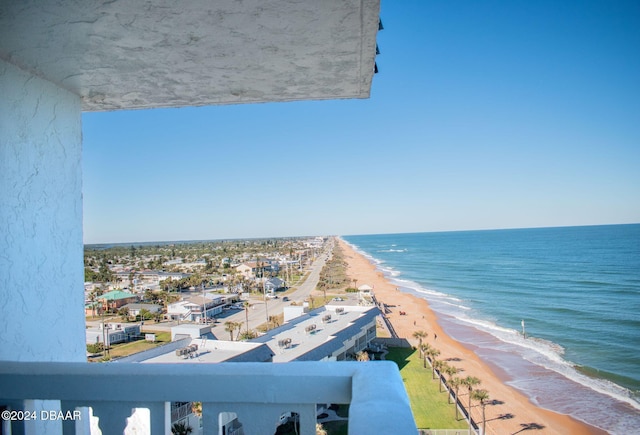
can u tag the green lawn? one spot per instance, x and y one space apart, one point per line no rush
429 406
124 349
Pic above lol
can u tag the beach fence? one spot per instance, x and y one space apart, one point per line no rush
383 310
392 342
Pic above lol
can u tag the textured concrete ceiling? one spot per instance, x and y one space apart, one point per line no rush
126 54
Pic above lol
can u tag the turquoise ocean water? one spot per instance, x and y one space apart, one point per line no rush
576 288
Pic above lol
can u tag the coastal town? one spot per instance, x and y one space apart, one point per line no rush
284 300
276 300
191 282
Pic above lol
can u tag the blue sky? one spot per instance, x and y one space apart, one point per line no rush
484 115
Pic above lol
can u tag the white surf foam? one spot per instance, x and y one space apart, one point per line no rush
543 353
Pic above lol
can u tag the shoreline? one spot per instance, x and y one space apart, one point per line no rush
523 413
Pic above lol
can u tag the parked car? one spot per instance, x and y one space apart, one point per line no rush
285 299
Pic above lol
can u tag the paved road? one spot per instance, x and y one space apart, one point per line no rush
257 314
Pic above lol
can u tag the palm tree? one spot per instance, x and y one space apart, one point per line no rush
362 356
320 430
246 306
441 366
470 382
145 314
482 396
424 349
247 335
323 284
275 320
433 353
455 384
149 296
124 314
230 326
196 408
181 429
94 298
420 335
451 371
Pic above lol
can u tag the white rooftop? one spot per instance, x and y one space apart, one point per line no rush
120 54
328 337
215 351
317 345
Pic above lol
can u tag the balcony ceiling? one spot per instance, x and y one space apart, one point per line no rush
122 54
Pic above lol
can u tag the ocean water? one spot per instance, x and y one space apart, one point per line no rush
577 289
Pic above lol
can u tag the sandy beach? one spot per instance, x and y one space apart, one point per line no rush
525 415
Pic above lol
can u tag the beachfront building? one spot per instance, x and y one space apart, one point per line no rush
60 58
203 349
196 344
331 333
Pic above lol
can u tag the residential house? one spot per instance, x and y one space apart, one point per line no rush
254 269
175 276
134 309
173 262
149 276
195 308
200 262
273 284
116 299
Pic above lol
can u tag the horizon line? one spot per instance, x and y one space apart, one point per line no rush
223 239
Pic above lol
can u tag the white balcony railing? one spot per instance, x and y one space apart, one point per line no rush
180 412
259 393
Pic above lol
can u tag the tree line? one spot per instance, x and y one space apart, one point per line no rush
447 376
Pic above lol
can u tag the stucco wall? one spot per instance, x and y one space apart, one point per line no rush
163 53
41 257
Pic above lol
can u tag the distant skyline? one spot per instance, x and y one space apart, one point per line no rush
483 116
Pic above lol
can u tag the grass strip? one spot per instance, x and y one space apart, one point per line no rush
429 405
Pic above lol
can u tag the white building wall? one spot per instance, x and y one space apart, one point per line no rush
41 250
